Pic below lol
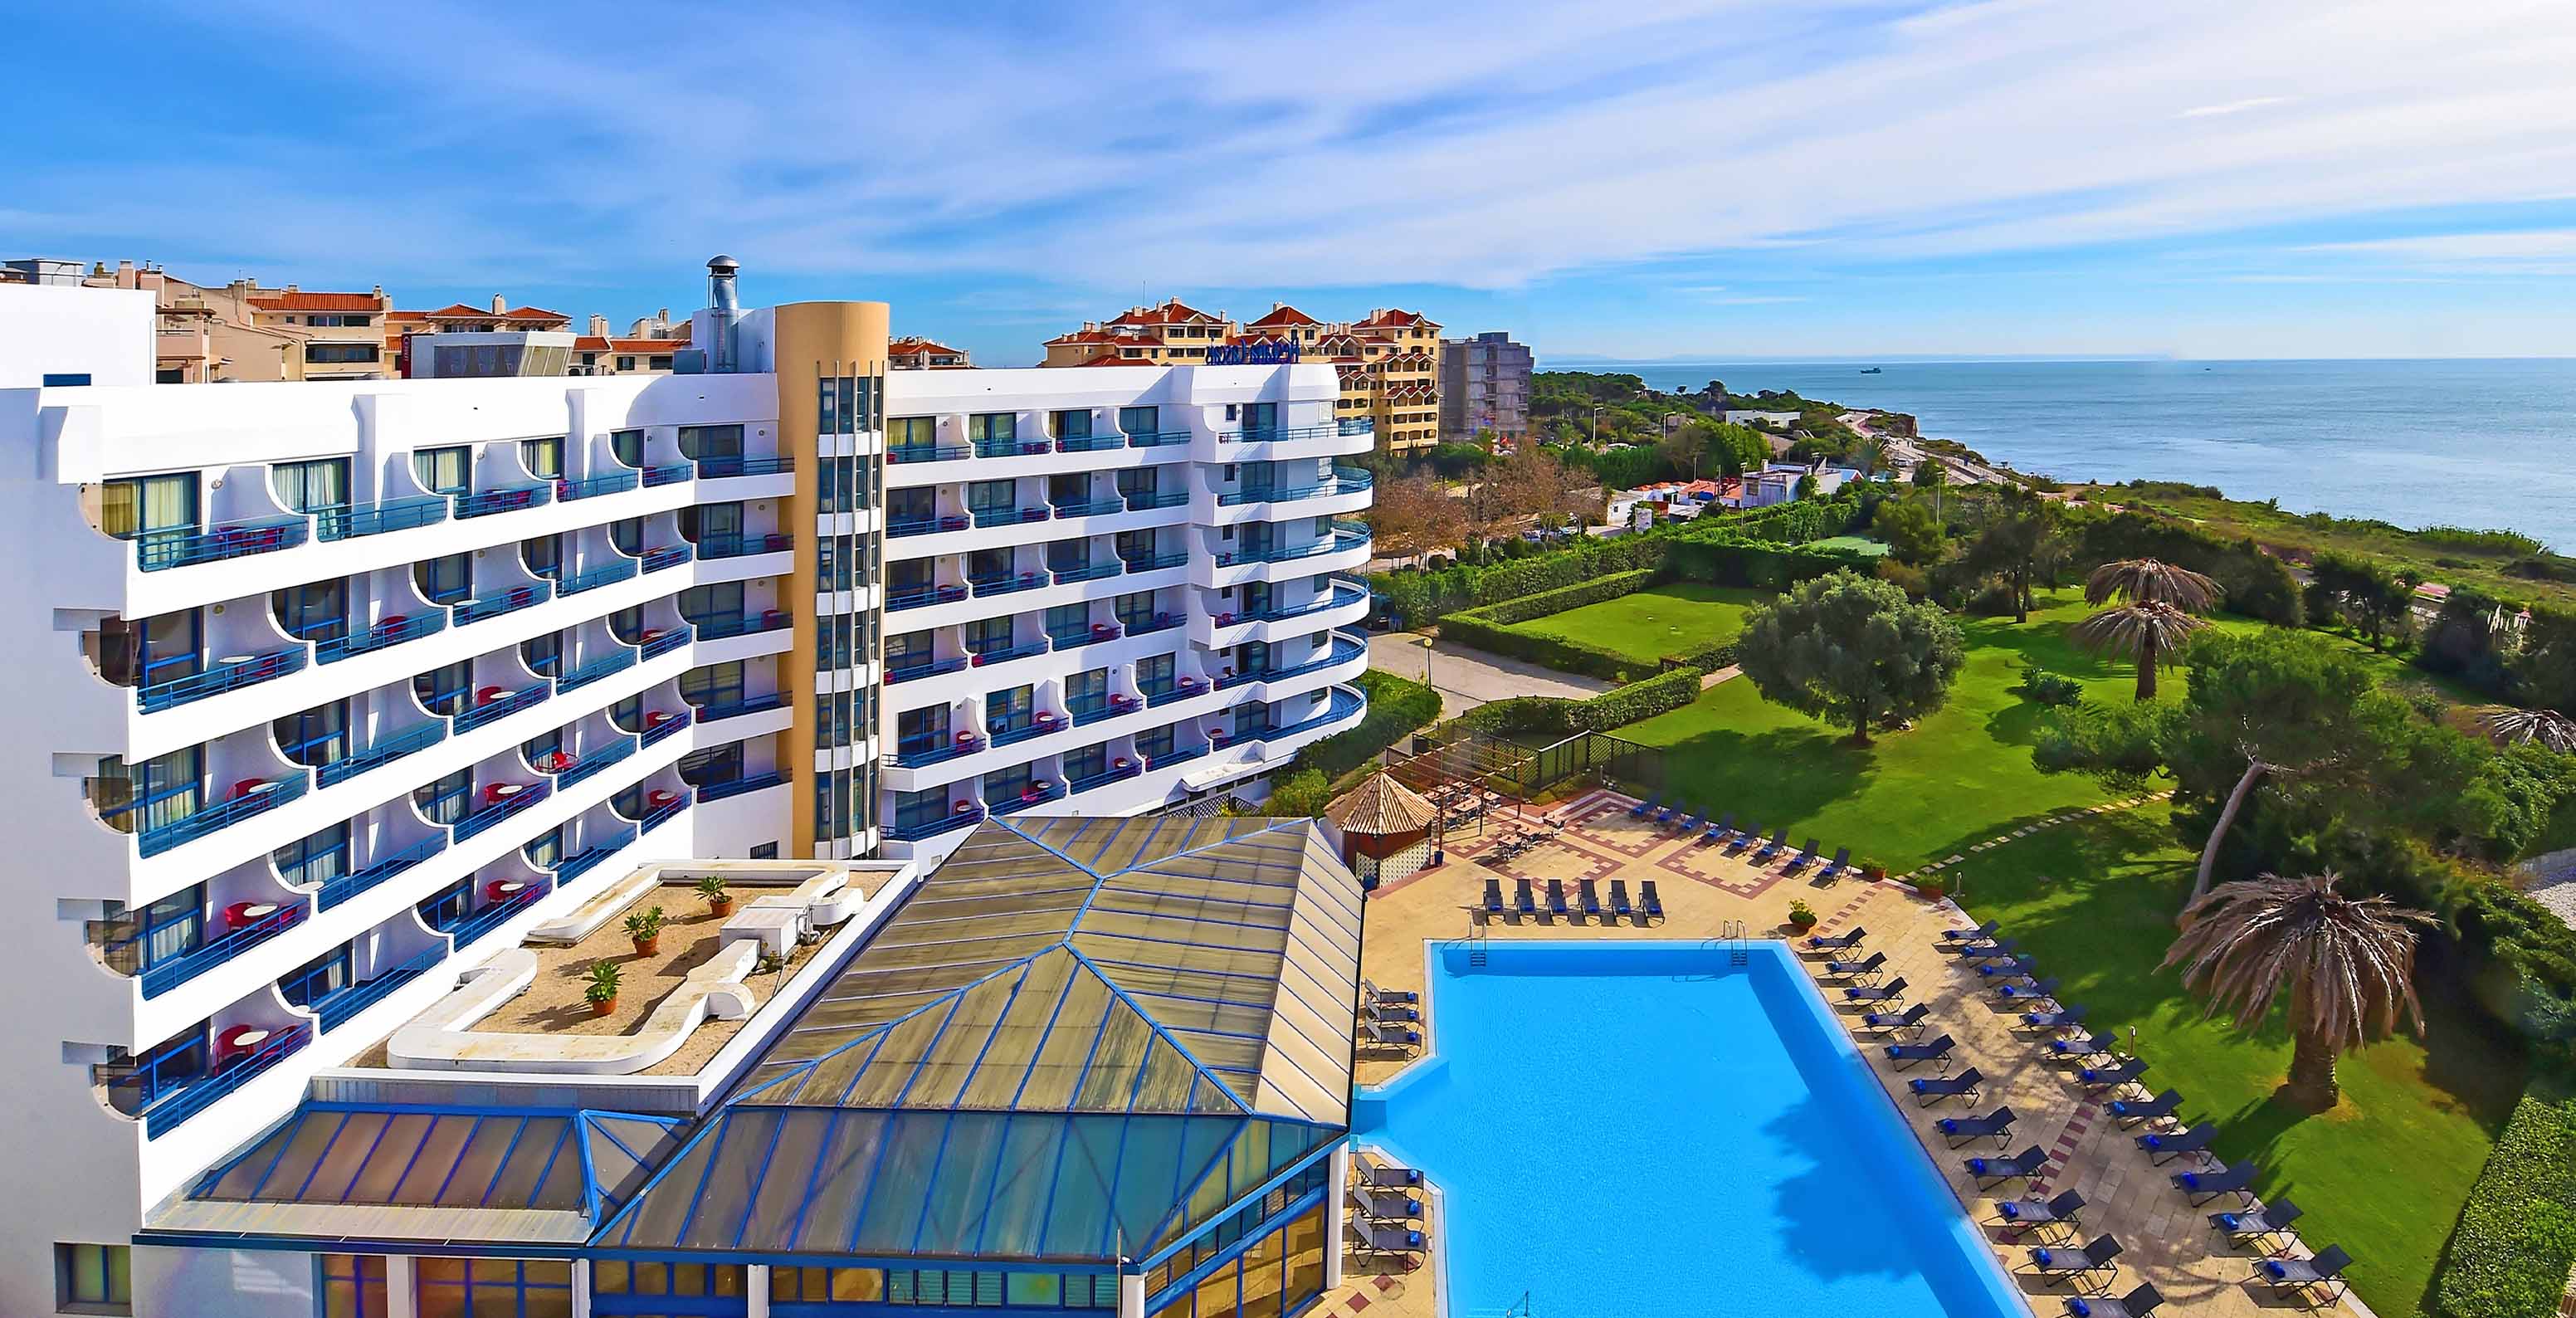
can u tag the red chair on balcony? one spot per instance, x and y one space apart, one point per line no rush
496 793
555 762
489 694
771 618
659 798
655 718
248 786
1122 700
651 634
965 807
242 915
392 621
236 1042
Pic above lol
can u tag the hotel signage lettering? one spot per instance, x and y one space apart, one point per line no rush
1252 354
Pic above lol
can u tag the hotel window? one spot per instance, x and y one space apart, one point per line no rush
921 729
910 434
836 1285
1068 624
987 635
153 651
543 457
835 722
628 714
1086 762
1139 420
316 736
626 363
1009 784
1005 711
546 850
318 978
307 487
713 684
542 654
1135 547
1073 423
318 858
912 508
1071 555
444 470
626 536
444 580
833 563
992 427
139 506
1259 418
1154 674
353 1285
905 651
841 640
992 501
160 791
315 611
836 409
1135 611
342 354
710 442
543 556
93 1279
444 800
718 764
700 604
627 446
621 1288
444 690
493 1288
1154 744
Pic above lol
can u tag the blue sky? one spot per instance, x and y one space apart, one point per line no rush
1660 178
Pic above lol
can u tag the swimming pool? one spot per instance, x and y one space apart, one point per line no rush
1646 1128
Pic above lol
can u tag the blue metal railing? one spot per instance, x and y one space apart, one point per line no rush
732 787
1076 636
921 596
738 708
221 815
180 546
947 823
492 916
738 546
502 601
392 631
1010 735
927 525
719 626
654 647
499 810
660 814
351 884
899 453
1092 709
662 556
170 972
1012 446
1169 690
1341 539
1148 626
1157 562
615 661
1341 706
591 765
936 752
931 669
1089 572
1091 507
1090 443
990 517
507 498
671 473
1005 654
719 468
606 574
384 750
1176 755
1137 503
1157 438
1345 480
1004 585
178 1105
249 671
1102 778
615 482
654 732
1051 792
350 522
335 1009
1277 434
501 707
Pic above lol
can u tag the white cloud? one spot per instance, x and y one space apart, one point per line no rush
2232 107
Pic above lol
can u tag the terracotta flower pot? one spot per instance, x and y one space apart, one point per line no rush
648 946
1930 892
602 1006
1802 923
720 907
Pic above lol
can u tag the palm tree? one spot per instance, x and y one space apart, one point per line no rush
1867 454
2155 622
2347 964
2512 727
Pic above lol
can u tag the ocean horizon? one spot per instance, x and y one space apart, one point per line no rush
2476 442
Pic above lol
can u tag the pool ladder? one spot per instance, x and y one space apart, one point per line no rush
1732 932
1476 940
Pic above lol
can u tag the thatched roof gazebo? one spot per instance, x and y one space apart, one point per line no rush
1385 828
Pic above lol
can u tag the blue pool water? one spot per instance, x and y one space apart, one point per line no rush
1643 1128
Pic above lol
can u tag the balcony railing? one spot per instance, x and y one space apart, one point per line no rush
991 517
921 754
1006 653
1176 755
924 596
507 498
1157 562
171 972
927 452
589 858
492 916
1090 443
1345 480
1137 503
615 661
593 764
606 574
1012 734
1091 507
719 626
355 882
181 546
668 474
178 1105
335 1009
1157 438
1171 689
934 668
661 814
947 823
720 468
615 482
662 556
232 675
1102 778
384 750
732 787
654 647
1079 636
737 708
527 795
392 631
1092 709
738 546
1277 434
1088 572
250 798
1148 626
927 525
501 707
1339 540
670 724
391 515
1341 706
1004 585
1013 447
507 600
1053 791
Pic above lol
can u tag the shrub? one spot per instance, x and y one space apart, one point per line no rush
604 977
1539 605
1549 714
1397 705
2500 543
1560 653
1302 794
1620 706
2510 1254
2050 688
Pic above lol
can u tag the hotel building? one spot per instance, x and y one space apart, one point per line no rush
349 711
1484 385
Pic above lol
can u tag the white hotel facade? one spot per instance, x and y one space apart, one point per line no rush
322 689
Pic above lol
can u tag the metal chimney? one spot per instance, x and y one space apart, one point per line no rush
727 305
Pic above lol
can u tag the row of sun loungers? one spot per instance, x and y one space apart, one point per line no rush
1525 904
1738 841
1388 1200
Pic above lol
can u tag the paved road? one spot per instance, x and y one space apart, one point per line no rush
1467 678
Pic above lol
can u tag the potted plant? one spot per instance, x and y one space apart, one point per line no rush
1931 889
1802 917
719 902
1873 871
601 991
645 927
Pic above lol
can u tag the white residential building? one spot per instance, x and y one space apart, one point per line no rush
322 686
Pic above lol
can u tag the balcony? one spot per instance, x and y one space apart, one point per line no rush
1091 507
661 814
1169 690
1088 572
1089 443
503 601
739 546
1013 447
169 973
1176 755
1137 503
1149 626
155 551
668 474
1157 438
175 1107
737 708
392 631
229 675
492 916
606 574
1080 636
659 643
1004 654
658 725
732 787
926 525
1345 480
505 499
926 752
613 662
336 1008
384 750
1092 709
967 815
1343 593
911 672
724 467
1034 796
1013 734
1343 705
1157 562
987 518
1004 585
901 453
1345 536
924 596
718 626
251 797
1279 434
662 556
615 482
593 764
355 882
1103 778
494 708
502 807
391 515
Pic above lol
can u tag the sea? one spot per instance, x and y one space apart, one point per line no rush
2476 443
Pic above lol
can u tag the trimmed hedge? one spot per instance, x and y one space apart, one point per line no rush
1545 602
1397 706
1423 598
1490 628
1614 708
1760 564
2516 1239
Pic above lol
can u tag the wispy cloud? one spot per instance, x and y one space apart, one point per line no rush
2232 107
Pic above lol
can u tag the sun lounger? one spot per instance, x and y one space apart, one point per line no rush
2202 1186
1805 858
1834 869
2091 1045
1493 897
1524 906
1744 837
1649 900
2001 949
1863 968
1838 942
2019 1215
2164 1146
2141 1302
2064 1018
1891 991
1932 1090
1389 995
1391 1036
1697 821
1664 814
1905 1055
2265 1221
1619 899
1386 1206
2027 989
2020 967
2129 1113
2122 1072
2307 1276
1388 1239
2022 1165
1556 908
1997 1124
1646 807
1910 1019
1981 933
2057 1262
1719 831
1392 1013
1588 898
1389 1176
1779 842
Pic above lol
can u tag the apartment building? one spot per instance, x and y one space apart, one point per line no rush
650 345
337 698
1484 386
914 353
1387 364
342 333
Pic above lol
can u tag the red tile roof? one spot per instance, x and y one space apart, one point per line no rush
1283 314
460 311
1113 359
1173 312
1088 336
912 344
1400 318
319 302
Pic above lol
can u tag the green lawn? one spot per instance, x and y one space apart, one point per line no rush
1859 542
1670 619
2385 1173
